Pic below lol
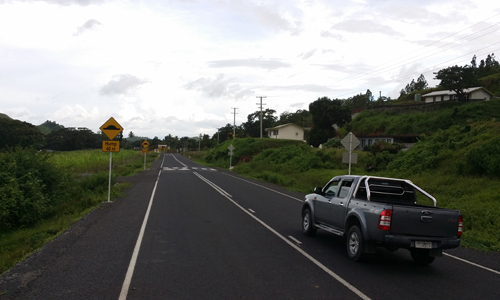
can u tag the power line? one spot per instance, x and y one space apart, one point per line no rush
377 70
418 50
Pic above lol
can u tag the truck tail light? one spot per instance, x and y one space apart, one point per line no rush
384 222
460 225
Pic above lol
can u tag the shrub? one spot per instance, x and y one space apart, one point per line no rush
30 188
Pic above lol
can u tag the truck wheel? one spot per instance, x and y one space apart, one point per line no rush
307 224
355 243
421 257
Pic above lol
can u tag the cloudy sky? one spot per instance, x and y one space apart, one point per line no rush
179 67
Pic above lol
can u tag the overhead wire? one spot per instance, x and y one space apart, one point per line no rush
378 70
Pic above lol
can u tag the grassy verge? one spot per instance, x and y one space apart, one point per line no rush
88 193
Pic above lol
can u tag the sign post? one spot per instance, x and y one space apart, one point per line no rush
350 142
145 150
111 129
230 153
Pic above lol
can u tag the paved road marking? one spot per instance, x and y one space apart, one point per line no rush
312 259
135 254
216 187
295 240
471 263
179 161
251 210
265 187
186 169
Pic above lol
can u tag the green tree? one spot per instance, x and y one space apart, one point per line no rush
70 139
326 113
301 118
14 133
457 79
252 126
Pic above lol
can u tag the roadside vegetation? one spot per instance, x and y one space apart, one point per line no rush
42 194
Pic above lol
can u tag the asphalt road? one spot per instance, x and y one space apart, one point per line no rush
185 231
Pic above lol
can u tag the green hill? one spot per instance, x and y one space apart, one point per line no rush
49 126
4 116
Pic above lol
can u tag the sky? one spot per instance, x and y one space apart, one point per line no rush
188 67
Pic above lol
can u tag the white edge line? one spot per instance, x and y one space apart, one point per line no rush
312 259
471 263
135 254
265 187
251 210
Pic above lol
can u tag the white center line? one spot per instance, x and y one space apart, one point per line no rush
295 240
264 187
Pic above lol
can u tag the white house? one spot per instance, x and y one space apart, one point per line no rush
288 131
475 93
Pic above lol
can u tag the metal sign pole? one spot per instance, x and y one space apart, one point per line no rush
350 151
144 161
109 183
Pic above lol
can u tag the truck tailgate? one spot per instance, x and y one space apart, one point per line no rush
424 221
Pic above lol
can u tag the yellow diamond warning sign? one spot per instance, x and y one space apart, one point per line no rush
111 128
145 144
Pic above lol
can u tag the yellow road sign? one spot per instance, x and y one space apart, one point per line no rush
111 128
110 146
145 144
145 150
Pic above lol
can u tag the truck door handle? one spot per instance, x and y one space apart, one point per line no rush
426 219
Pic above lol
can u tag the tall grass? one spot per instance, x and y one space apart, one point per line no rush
91 161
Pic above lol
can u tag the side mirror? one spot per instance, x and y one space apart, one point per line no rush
318 190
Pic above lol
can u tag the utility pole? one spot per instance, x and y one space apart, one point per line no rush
260 105
199 143
234 121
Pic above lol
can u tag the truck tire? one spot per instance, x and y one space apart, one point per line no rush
355 243
421 257
307 224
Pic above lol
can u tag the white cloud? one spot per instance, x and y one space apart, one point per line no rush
89 25
123 84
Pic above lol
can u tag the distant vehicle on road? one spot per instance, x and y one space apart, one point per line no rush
382 212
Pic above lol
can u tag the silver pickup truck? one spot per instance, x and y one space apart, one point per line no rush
377 211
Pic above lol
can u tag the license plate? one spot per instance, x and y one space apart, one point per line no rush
423 245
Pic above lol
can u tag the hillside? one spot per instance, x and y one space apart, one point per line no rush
4 116
448 114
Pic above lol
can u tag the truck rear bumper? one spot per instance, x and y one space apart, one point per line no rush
408 242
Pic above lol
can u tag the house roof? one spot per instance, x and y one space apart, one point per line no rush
284 125
447 92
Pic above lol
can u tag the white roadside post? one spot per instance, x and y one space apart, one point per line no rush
230 148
